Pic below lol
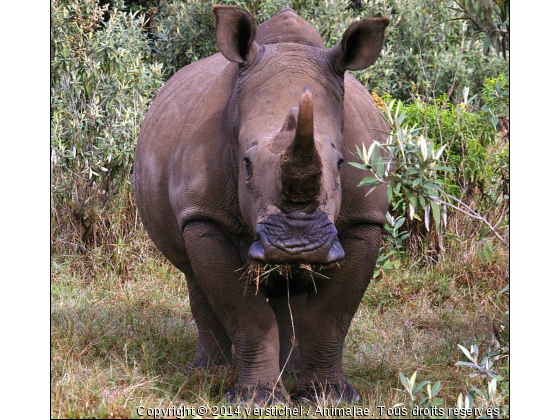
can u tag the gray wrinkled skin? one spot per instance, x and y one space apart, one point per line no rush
239 159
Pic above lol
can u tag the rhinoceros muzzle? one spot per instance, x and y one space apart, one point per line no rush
296 237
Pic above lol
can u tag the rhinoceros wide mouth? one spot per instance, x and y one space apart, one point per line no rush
296 237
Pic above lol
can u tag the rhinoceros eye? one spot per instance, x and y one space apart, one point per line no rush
248 169
340 162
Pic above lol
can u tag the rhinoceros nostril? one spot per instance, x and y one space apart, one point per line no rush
256 251
336 252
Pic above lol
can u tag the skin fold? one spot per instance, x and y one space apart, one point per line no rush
241 159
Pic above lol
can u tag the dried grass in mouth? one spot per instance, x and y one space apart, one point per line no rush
258 272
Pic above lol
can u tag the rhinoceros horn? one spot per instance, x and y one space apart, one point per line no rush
301 163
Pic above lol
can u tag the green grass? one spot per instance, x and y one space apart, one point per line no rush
122 333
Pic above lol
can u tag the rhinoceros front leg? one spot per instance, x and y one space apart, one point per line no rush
329 312
248 319
214 345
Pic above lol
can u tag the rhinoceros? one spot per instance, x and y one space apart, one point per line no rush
240 159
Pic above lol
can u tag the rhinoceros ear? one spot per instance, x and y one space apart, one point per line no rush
235 33
360 45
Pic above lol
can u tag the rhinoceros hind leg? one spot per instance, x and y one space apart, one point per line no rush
214 345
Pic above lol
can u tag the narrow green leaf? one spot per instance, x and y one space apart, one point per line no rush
368 180
372 155
496 377
480 255
403 379
488 252
360 152
467 353
380 168
442 168
420 386
436 388
469 364
437 215
478 391
486 44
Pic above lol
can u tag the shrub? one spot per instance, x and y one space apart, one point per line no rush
439 157
183 32
101 86
428 52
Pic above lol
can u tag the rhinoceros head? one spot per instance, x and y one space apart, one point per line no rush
286 116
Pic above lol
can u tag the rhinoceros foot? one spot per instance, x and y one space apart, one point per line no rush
258 396
342 391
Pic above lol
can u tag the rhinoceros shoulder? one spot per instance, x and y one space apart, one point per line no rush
363 123
180 152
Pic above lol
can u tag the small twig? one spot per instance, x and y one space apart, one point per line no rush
472 213
294 341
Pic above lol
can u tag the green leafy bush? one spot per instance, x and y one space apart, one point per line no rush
467 135
490 18
495 96
427 53
492 401
101 86
441 157
183 33
409 167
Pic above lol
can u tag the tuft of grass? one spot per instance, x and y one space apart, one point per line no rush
258 273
